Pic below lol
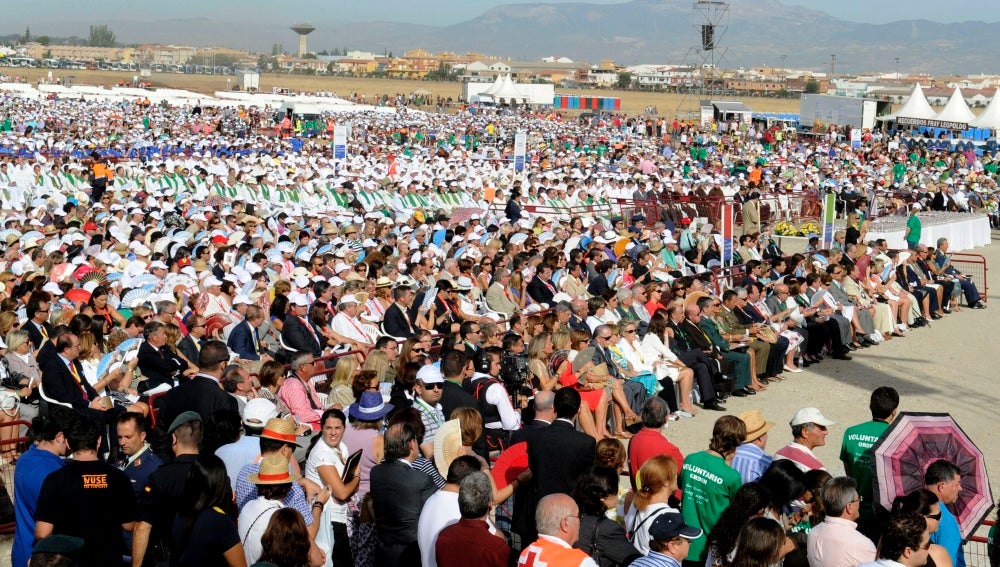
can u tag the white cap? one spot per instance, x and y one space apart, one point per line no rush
809 415
349 298
298 299
430 375
241 299
158 264
212 280
258 411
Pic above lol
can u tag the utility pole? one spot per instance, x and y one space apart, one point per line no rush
897 68
833 64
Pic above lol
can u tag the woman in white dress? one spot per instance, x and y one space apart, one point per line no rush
667 366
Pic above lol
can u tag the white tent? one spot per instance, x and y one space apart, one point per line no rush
990 118
956 110
916 107
495 87
504 90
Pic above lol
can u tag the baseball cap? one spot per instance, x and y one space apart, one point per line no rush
430 375
669 525
258 411
810 415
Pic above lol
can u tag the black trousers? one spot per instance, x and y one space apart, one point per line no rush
703 368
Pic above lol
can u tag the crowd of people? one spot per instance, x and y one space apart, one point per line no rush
253 351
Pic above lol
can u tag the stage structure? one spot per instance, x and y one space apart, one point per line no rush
709 54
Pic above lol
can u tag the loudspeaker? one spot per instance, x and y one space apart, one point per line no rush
708 37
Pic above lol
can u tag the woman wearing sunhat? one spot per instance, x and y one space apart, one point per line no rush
366 417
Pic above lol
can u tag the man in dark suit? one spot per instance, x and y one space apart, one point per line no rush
244 339
456 367
63 379
202 393
396 321
190 345
540 289
156 362
398 494
297 333
37 325
557 454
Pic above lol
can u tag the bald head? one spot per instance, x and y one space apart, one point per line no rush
558 516
692 310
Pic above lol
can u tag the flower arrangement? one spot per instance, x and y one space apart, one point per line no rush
785 228
808 229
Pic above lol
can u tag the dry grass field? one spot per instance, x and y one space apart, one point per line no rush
632 102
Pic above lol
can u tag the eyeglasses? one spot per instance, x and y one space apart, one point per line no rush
605 337
630 332
933 516
418 351
434 386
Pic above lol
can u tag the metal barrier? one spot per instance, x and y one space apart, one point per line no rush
977 549
974 266
21 443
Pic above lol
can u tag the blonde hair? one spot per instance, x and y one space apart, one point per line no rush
657 474
344 372
377 361
561 340
470 422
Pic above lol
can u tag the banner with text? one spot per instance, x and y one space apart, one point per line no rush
829 214
727 234
520 150
340 141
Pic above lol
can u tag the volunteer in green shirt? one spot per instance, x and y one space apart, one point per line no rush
709 483
912 235
856 450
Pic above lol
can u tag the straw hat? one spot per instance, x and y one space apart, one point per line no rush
273 470
756 424
447 445
280 430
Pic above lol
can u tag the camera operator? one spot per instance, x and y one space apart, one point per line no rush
514 369
500 418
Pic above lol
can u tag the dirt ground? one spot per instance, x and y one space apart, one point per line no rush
633 102
948 367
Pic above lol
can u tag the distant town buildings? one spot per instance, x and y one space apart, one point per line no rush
479 67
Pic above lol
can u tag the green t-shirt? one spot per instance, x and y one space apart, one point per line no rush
856 454
708 484
913 223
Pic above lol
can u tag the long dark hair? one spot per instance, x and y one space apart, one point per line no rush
207 486
759 545
786 483
593 487
749 501
285 542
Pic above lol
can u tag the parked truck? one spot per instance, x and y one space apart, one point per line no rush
840 110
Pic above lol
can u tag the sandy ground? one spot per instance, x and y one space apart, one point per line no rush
948 367
632 102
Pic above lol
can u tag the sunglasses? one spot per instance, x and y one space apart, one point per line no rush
933 516
630 332
418 351
434 386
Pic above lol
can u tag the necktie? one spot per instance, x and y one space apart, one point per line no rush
256 342
76 376
45 334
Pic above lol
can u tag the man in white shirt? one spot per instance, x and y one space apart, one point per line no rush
347 326
441 509
809 430
837 542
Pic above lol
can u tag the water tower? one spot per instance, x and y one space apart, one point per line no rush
303 30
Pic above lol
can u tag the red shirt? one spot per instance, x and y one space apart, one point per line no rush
649 443
469 542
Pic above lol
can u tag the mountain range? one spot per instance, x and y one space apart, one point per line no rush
755 33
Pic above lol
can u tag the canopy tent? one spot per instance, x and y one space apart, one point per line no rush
506 91
916 107
956 110
495 87
990 118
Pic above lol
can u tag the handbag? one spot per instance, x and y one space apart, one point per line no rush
767 334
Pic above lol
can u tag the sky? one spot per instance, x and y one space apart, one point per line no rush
81 13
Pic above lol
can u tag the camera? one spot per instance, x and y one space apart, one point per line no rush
514 374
